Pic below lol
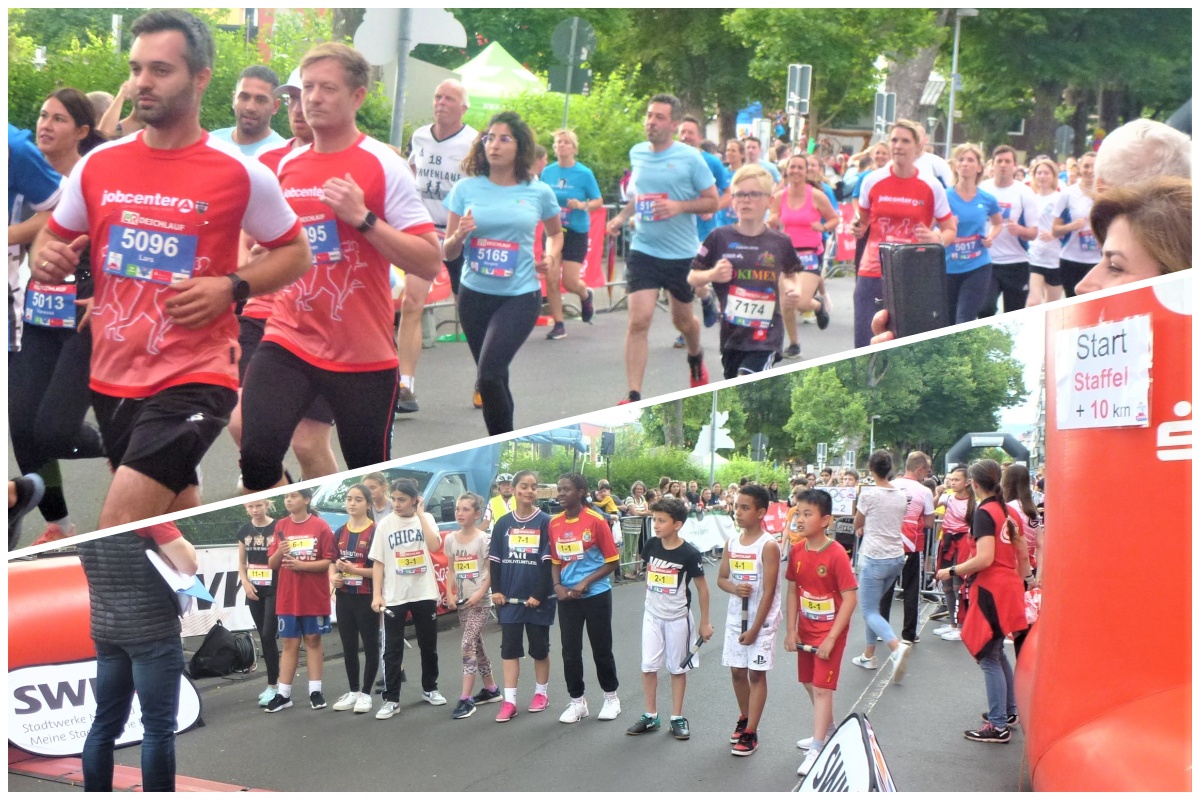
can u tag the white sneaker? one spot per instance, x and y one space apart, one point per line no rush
864 662
434 698
807 763
899 660
953 635
943 629
363 704
388 710
576 710
346 701
611 708
805 743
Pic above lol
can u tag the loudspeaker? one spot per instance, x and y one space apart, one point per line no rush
608 443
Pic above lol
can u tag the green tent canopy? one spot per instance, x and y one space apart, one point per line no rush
490 77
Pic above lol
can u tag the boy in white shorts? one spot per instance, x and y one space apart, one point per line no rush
667 628
750 573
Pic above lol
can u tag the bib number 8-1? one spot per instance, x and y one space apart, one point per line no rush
146 242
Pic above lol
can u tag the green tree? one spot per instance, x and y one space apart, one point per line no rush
697 411
768 407
841 45
824 409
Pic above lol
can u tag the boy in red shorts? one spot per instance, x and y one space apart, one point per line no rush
820 603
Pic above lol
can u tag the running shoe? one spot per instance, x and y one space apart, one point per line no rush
464 709
477 399
645 724
899 661
953 635
406 401
53 533
821 314
487 695
632 397
559 331
746 744
611 708
807 318
738 730
587 309
30 490
264 698
805 743
807 764
576 711
941 612
709 308
388 710
346 701
434 698
507 711
697 372
864 662
1013 719
792 351
943 629
989 734
680 729
540 702
363 704
278 703
679 343
317 700
914 640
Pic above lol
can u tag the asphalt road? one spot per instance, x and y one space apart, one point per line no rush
919 727
593 356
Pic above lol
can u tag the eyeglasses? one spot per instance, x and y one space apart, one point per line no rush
503 138
749 195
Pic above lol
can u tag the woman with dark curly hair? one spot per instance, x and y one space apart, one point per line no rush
494 213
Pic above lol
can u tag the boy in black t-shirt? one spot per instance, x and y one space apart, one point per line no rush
667 627
748 264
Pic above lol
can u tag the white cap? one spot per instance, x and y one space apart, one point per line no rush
293 82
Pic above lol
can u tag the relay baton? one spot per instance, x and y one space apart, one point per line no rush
687 662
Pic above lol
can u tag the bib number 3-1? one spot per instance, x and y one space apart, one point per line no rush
151 250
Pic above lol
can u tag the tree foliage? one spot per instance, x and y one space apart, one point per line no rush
824 409
697 411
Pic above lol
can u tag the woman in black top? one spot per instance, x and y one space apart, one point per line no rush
351 579
258 581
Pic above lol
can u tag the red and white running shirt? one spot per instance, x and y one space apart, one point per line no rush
156 217
263 305
896 206
338 317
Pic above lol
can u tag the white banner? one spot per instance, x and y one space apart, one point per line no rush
219 573
708 533
1103 375
51 708
850 761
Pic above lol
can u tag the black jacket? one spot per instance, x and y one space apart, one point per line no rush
130 601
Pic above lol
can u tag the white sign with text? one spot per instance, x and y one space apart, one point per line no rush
1103 375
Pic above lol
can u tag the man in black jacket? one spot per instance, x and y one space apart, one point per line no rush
136 629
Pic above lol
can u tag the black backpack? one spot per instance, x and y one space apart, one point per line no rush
223 652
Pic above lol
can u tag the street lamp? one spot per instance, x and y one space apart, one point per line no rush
955 78
873 418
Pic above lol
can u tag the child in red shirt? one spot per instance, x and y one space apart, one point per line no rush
820 603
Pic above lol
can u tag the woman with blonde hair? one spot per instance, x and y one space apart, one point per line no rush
1081 249
1144 231
968 263
578 194
1045 277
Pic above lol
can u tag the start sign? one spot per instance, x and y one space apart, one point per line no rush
1103 375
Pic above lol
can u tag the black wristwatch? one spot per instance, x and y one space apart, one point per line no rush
368 222
241 289
953 571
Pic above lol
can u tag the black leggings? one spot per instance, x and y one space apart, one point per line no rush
48 398
496 327
1072 273
424 614
355 618
262 611
596 613
1011 281
279 389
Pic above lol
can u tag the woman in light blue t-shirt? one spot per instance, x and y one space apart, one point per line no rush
494 213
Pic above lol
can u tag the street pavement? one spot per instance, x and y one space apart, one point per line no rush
550 380
919 726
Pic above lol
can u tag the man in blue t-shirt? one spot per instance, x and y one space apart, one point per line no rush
671 183
254 104
689 134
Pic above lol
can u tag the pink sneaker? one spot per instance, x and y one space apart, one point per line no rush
53 533
540 703
507 711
